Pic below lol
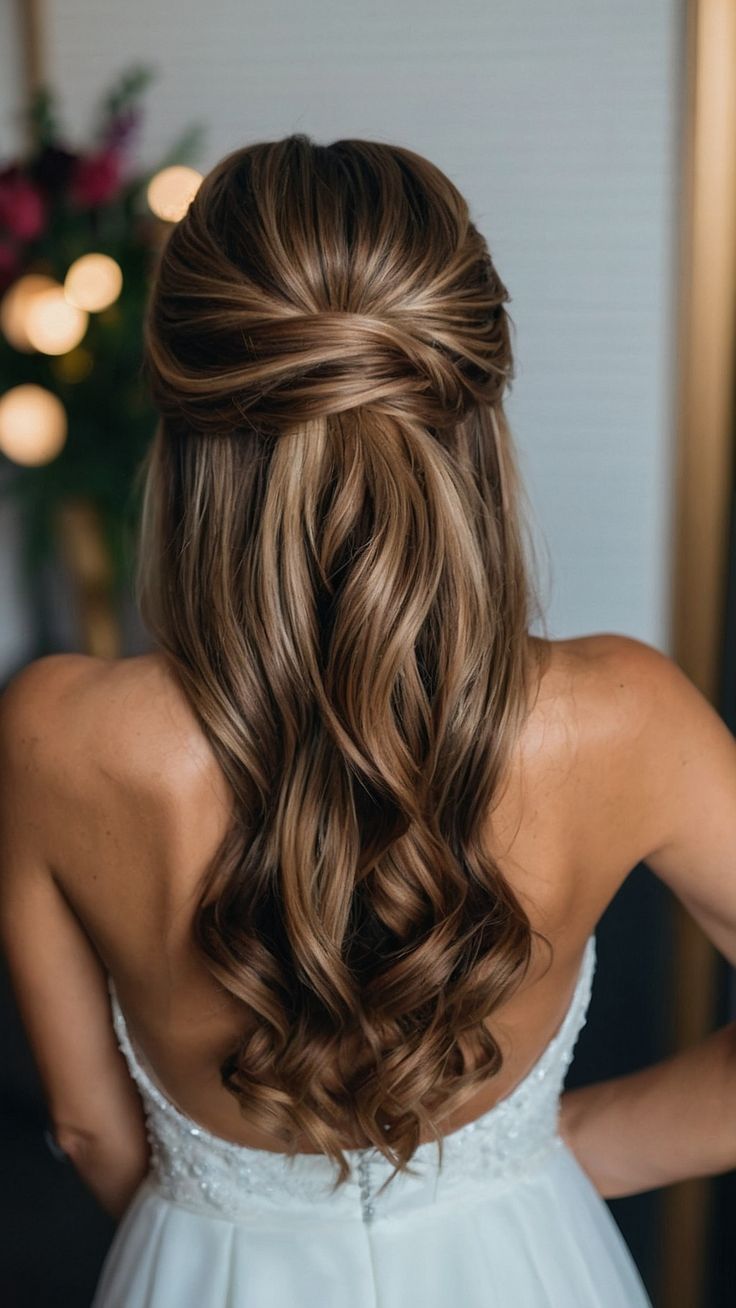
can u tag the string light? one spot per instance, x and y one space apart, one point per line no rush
33 424
53 325
171 191
14 308
93 282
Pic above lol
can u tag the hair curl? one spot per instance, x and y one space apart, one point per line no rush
331 556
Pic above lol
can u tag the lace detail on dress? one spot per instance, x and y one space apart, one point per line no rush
200 1170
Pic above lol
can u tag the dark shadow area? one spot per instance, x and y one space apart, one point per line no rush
722 1251
54 1232
626 1028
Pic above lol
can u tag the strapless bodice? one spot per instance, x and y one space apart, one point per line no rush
206 1172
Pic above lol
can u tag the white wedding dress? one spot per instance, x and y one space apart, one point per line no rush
511 1220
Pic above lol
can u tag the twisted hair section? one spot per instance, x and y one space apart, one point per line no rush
333 558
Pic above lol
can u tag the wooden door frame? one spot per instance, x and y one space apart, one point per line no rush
31 27
704 481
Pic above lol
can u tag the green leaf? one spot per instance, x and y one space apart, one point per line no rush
126 90
42 119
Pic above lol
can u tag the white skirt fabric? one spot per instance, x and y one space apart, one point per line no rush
506 1219
546 1241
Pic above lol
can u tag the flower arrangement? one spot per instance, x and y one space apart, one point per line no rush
78 230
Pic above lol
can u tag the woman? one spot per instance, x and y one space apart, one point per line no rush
300 907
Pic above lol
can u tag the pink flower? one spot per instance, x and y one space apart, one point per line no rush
22 209
95 178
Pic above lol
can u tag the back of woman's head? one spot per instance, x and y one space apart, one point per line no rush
332 557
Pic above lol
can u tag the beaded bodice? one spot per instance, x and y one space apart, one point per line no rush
208 1173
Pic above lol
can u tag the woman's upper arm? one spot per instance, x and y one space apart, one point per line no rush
685 774
58 979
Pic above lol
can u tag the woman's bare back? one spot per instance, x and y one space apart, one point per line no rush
140 804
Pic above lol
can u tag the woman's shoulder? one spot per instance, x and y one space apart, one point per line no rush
594 748
616 695
603 683
599 689
607 692
600 662
588 806
75 712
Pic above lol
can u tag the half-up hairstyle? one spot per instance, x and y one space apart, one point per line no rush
332 558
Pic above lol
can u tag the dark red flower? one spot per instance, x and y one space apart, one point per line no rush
22 208
95 178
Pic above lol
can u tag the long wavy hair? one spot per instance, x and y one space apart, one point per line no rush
333 558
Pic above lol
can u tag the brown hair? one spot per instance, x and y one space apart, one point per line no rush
332 557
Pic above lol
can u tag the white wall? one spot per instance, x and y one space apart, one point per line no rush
560 120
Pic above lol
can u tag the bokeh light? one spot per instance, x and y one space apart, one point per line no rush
53 325
33 424
171 191
93 282
14 308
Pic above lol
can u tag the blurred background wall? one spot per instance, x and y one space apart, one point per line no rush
559 120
